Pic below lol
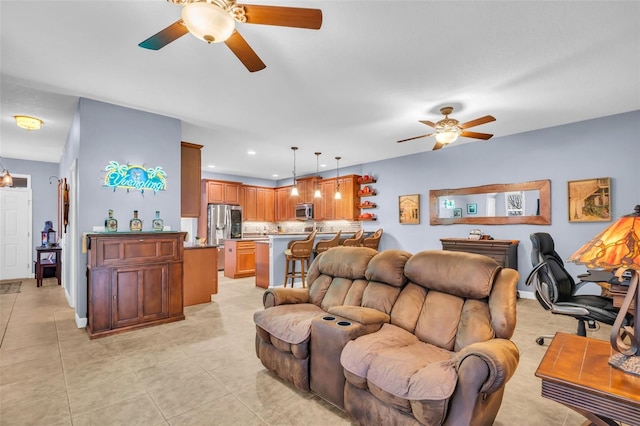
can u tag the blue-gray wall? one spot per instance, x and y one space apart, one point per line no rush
603 147
101 133
44 193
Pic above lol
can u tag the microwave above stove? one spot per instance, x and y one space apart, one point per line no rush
304 211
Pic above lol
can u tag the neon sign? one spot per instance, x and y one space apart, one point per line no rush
134 177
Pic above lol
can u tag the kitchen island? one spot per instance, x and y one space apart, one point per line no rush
270 257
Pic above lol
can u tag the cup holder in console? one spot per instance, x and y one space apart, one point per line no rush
343 323
328 318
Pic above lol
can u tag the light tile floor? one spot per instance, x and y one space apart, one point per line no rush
200 371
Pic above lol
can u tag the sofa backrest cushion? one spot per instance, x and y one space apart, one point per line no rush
448 301
337 276
385 273
467 275
388 267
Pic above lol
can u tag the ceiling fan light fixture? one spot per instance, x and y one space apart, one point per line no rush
208 21
447 136
27 122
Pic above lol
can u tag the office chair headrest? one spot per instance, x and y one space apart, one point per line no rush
543 247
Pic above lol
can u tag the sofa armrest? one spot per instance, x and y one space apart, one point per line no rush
365 316
284 296
500 355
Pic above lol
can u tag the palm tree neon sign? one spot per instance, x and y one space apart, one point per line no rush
135 177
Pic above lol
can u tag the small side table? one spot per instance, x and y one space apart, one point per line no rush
48 257
575 372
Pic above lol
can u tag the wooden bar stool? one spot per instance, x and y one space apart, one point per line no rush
325 245
298 250
373 241
355 241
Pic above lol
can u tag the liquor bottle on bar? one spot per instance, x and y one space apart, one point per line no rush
135 224
111 223
157 224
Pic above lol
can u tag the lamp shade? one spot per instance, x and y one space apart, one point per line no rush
7 180
618 246
208 22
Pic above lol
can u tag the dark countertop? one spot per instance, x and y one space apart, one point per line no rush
190 246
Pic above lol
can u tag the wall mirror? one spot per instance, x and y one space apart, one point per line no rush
496 204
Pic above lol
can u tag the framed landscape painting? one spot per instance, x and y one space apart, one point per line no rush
589 200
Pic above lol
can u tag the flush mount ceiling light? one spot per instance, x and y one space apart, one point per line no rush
27 122
294 190
209 22
317 193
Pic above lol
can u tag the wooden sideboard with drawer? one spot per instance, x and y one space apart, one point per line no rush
505 252
134 280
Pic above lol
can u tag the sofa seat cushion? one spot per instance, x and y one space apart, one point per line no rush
399 368
288 323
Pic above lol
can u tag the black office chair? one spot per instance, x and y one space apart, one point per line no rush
555 289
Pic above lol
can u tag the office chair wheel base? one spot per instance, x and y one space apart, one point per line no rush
540 341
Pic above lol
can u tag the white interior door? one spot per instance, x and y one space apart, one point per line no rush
15 233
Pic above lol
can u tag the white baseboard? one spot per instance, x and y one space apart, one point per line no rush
527 294
80 322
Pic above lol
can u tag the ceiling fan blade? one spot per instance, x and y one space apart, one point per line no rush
478 121
283 16
416 137
166 36
244 52
476 135
428 123
437 146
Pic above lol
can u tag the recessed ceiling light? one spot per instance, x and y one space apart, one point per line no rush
323 165
27 122
211 166
275 175
251 152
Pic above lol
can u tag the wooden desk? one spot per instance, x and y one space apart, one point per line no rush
48 257
575 372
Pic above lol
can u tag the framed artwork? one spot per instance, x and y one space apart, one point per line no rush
514 201
472 208
589 200
457 212
409 209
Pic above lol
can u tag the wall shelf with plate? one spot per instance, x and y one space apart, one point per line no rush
367 191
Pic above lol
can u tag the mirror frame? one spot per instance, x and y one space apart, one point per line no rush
544 186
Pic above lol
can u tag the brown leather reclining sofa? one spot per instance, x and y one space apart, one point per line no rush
396 339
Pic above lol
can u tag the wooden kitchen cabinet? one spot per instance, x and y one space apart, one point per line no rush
190 172
249 203
284 204
134 281
239 258
347 207
200 274
325 206
222 192
265 204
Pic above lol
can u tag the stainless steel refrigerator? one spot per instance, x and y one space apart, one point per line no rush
224 222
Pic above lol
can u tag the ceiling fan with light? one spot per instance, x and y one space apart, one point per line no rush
214 21
448 129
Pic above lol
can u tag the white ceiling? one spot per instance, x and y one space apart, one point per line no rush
351 89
